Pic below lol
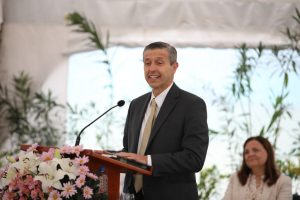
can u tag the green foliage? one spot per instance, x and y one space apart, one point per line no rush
291 164
242 75
209 178
84 26
85 114
289 167
236 104
29 117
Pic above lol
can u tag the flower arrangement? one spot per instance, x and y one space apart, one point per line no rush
54 175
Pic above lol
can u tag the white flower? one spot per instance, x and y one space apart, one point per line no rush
27 163
68 167
54 175
7 176
49 175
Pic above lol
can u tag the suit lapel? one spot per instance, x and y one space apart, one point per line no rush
140 117
166 108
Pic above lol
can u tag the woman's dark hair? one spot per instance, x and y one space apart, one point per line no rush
271 172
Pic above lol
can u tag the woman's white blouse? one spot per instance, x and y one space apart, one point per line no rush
281 190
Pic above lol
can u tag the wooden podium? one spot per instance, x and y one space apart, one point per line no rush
113 168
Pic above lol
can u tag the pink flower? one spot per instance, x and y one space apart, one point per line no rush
35 193
47 156
22 198
83 170
23 187
30 182
32 147
9 195
82 160
68 190
92 176
13 185
87 192
77 149
3 172
27 184
80 181
66 149
54 195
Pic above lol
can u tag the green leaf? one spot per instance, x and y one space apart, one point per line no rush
275 116
286 79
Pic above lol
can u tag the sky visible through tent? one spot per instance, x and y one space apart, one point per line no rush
202 71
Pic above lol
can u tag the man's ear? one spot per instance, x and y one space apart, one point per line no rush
175 66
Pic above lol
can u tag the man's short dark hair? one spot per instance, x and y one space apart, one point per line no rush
162 45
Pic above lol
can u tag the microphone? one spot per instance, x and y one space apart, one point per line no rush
120 104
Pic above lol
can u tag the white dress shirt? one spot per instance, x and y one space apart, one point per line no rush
159 101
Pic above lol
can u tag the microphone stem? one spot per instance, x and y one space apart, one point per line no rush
78 137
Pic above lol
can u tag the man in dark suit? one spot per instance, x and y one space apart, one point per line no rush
177 143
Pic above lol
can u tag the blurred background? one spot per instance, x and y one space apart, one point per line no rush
64 63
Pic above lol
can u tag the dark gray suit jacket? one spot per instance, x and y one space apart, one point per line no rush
177 144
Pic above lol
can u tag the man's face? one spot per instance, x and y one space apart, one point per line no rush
159 73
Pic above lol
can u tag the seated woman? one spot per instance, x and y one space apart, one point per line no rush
258 177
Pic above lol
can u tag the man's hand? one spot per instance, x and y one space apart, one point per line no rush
132 156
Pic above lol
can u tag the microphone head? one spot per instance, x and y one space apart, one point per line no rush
121 103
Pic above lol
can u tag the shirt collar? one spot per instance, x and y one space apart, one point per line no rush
161 97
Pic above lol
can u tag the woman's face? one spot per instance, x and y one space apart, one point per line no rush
255 155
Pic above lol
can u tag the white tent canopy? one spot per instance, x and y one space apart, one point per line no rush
204 23
35 38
